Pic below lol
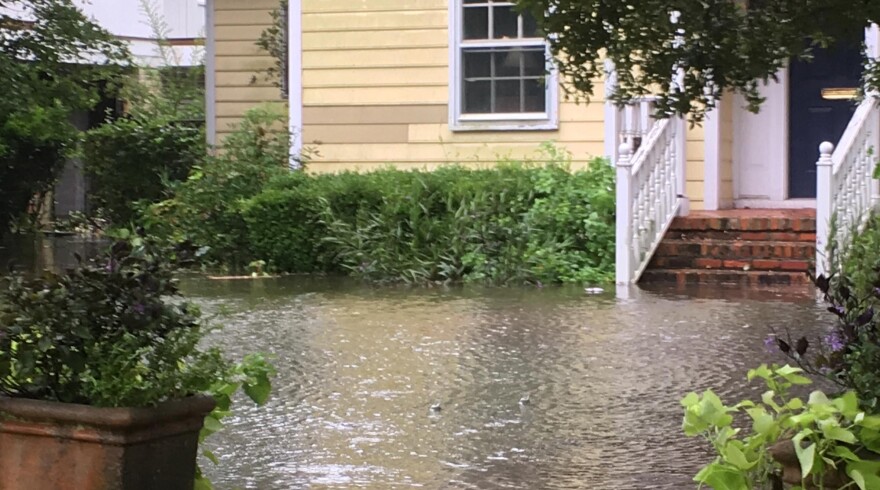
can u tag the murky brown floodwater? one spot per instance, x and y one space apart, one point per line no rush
359 368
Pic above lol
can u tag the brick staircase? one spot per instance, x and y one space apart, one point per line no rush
750 247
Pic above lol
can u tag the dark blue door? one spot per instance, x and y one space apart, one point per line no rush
819 110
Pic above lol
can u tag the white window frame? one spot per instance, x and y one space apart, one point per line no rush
545 121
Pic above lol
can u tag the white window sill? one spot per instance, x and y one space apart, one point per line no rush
471 124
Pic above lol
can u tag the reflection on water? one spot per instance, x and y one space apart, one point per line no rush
33 254
360 368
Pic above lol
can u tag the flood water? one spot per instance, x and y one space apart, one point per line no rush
360 367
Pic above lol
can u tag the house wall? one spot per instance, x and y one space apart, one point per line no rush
239 65
695 167
376 91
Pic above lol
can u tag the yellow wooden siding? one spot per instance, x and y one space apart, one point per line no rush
726 149
695 167
240 65
394 54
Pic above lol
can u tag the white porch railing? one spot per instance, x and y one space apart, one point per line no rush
650 183
628 124
846 190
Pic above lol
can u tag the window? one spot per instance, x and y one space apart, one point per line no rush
500 74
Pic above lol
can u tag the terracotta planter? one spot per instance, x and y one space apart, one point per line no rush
59 446
783 453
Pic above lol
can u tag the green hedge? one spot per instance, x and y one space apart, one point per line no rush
206 208
132 161
513 223
516 222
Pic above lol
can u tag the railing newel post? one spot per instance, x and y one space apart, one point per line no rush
824 206
623 252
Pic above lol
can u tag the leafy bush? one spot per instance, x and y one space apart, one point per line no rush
833 440
132 161
206 208
47 72
514 223
849 353
32 150
104 334
116 332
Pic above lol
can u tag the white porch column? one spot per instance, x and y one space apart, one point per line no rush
612 115
210 74
623 269
872 41
294 80
872 45
712 160
824 168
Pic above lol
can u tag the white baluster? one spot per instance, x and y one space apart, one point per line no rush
824 205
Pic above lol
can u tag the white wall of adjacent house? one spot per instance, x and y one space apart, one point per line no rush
184 21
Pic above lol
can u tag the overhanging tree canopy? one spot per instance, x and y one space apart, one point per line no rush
714 45
52 60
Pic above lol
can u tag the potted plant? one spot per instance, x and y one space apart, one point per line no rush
824 442
103 381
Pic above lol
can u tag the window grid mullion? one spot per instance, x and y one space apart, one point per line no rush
491 33
504 43
519 26
492 82
522 82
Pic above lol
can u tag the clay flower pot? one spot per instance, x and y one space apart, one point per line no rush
783 453
60 446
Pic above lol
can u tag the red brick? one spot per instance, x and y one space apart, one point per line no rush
796 265
756 236
707 263
766 264
736 264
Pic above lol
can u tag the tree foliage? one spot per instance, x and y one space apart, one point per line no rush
53 61
714 45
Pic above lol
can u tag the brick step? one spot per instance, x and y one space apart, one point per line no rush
752 236
708 263
733 277
736 249
798 224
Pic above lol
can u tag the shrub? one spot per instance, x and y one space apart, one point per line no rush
132 161
849 353
514 223
818 443
104 334
116 332
32 151
206 207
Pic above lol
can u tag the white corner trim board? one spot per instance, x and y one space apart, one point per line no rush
210 75
295 81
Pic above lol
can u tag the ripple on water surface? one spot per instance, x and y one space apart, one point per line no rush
360 369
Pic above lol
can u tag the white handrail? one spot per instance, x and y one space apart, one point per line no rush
846 191
649 189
